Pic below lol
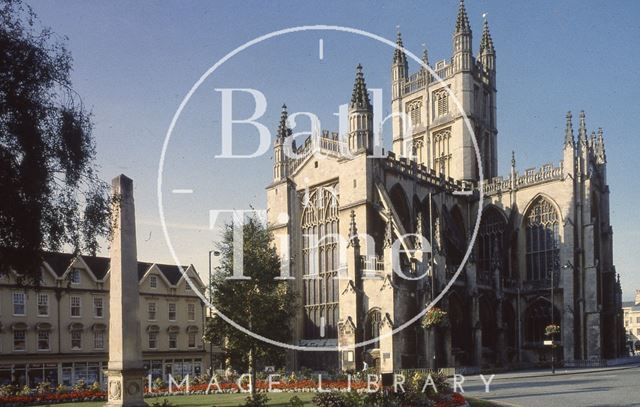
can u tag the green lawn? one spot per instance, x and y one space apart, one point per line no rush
229 400
217 400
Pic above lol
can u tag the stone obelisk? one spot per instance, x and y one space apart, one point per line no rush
125 372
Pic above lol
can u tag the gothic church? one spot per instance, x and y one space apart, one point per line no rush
542 253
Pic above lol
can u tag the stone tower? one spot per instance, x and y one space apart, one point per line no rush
439 136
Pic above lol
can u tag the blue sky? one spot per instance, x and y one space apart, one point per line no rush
135 61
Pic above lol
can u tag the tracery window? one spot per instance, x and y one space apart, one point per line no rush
372 329
320 262
490 244
441 152
441 100
417 151
542 223
414 108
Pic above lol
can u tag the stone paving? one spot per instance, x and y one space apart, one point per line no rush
616 386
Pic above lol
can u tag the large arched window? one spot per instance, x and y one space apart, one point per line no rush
490 244
320 262
542 223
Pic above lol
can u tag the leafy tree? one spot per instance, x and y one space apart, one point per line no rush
51 195
263 304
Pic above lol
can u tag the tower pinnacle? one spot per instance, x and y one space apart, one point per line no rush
360 95
398 56
601 154
462 59
462 20
568 132
360 116
582 132
486 43
425 55
283 129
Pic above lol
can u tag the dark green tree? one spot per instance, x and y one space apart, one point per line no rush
51 195
263 304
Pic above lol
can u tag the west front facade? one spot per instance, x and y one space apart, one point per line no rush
541 252
58 333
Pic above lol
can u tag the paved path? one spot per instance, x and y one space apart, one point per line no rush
615 387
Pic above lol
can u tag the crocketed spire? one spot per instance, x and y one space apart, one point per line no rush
486 43
568 132
283 130
600 151
360 95
582 131
353 231
388 230
425 55
462 21
398 56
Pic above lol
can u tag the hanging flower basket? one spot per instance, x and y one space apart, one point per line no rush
552 329
434 318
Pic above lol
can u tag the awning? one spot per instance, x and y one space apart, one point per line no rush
192 328
43 326
153 328
98 327
19 326
173 329
76 326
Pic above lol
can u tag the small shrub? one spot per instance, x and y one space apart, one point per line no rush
258 400
338 399
159 383
295 402
43 388
165 403
7 390
80 385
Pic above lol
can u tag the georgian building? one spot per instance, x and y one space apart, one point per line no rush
631 312
59 332
543 230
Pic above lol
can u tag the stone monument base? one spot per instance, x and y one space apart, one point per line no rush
125 388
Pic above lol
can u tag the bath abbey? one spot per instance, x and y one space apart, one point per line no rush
372 239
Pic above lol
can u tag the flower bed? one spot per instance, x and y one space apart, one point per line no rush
337 389
53 398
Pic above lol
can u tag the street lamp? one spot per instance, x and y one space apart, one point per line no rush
553 283
216 253
553 345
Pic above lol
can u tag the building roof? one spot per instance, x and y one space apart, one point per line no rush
99 266
631 305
